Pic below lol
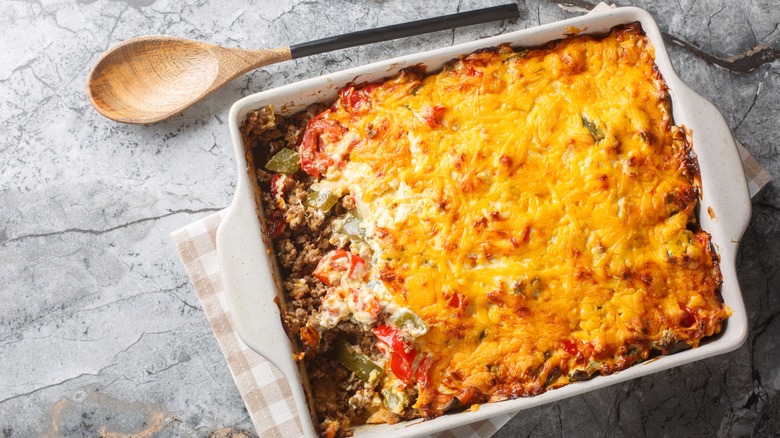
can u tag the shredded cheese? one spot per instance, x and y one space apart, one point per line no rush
536 210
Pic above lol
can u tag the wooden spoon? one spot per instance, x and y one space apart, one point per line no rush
151 78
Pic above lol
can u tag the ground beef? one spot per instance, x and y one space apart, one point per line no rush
304 237
286 253
295 212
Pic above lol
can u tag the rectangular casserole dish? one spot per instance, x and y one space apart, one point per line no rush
249 273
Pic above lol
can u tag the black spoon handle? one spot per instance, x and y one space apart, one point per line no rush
392 32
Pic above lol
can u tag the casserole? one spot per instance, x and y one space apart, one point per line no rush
248 271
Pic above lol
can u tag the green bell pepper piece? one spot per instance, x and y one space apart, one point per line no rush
285 161
395 401
358 363
408 321
351 227
593 128
322 201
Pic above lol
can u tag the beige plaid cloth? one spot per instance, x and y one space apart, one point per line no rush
265 391
756 175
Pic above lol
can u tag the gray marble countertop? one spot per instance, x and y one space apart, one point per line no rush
100 330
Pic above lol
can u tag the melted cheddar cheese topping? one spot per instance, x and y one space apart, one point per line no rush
535 208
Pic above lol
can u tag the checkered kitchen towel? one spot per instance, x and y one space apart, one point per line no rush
265 391
757 176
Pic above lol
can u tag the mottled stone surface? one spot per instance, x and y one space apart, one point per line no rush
100 330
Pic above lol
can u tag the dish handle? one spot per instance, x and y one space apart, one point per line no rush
250 285
721 167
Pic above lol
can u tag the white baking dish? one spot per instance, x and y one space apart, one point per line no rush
248 270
